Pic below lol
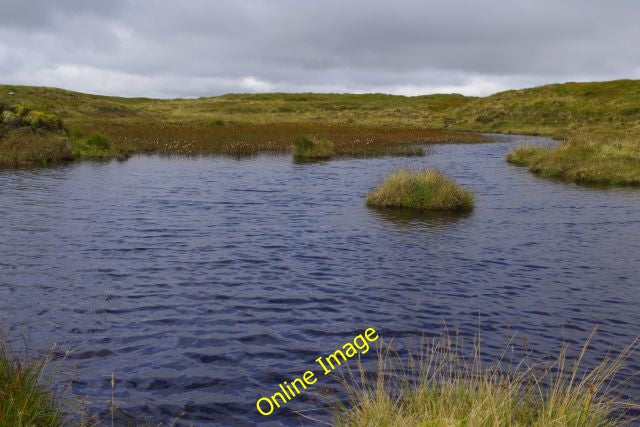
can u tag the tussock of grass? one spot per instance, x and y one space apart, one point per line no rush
305 147
23 400
424 190
443 388
585 159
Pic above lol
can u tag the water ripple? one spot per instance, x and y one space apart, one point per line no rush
202 283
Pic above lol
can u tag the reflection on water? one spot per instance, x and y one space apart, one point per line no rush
425 220
202 283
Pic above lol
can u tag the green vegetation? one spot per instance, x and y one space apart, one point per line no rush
585 159
25 147
30 136
555 109
20 116
601 113
97 146
442 388
312 148
23 399
424 190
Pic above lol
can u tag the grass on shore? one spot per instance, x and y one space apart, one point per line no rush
442 388
22 147
585 158
424 190
24 401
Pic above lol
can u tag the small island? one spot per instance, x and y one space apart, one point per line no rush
426 189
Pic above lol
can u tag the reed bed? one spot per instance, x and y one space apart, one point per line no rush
248 138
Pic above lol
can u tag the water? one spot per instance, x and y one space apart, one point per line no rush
203 283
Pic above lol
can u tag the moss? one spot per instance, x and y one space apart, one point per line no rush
423 190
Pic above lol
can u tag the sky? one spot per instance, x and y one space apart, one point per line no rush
192 48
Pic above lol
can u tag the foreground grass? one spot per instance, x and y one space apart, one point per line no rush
442 388
425 190
23 399
585 158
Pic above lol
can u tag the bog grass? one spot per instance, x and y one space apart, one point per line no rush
442 387
24 400
427 189
585 158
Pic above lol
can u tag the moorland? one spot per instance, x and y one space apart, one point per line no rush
598 125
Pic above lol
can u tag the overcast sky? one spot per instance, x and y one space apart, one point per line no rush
193 48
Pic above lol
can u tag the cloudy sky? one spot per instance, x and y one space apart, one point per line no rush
188 48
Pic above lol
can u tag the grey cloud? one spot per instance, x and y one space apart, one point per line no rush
41 14
198 47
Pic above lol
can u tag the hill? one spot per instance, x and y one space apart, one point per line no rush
545 109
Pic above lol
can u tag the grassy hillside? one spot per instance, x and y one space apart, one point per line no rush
546 109
556 109
357 124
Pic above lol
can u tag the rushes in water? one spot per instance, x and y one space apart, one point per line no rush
424 189
23 400
312 148
442 388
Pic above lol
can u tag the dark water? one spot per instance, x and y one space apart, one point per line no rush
203 283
